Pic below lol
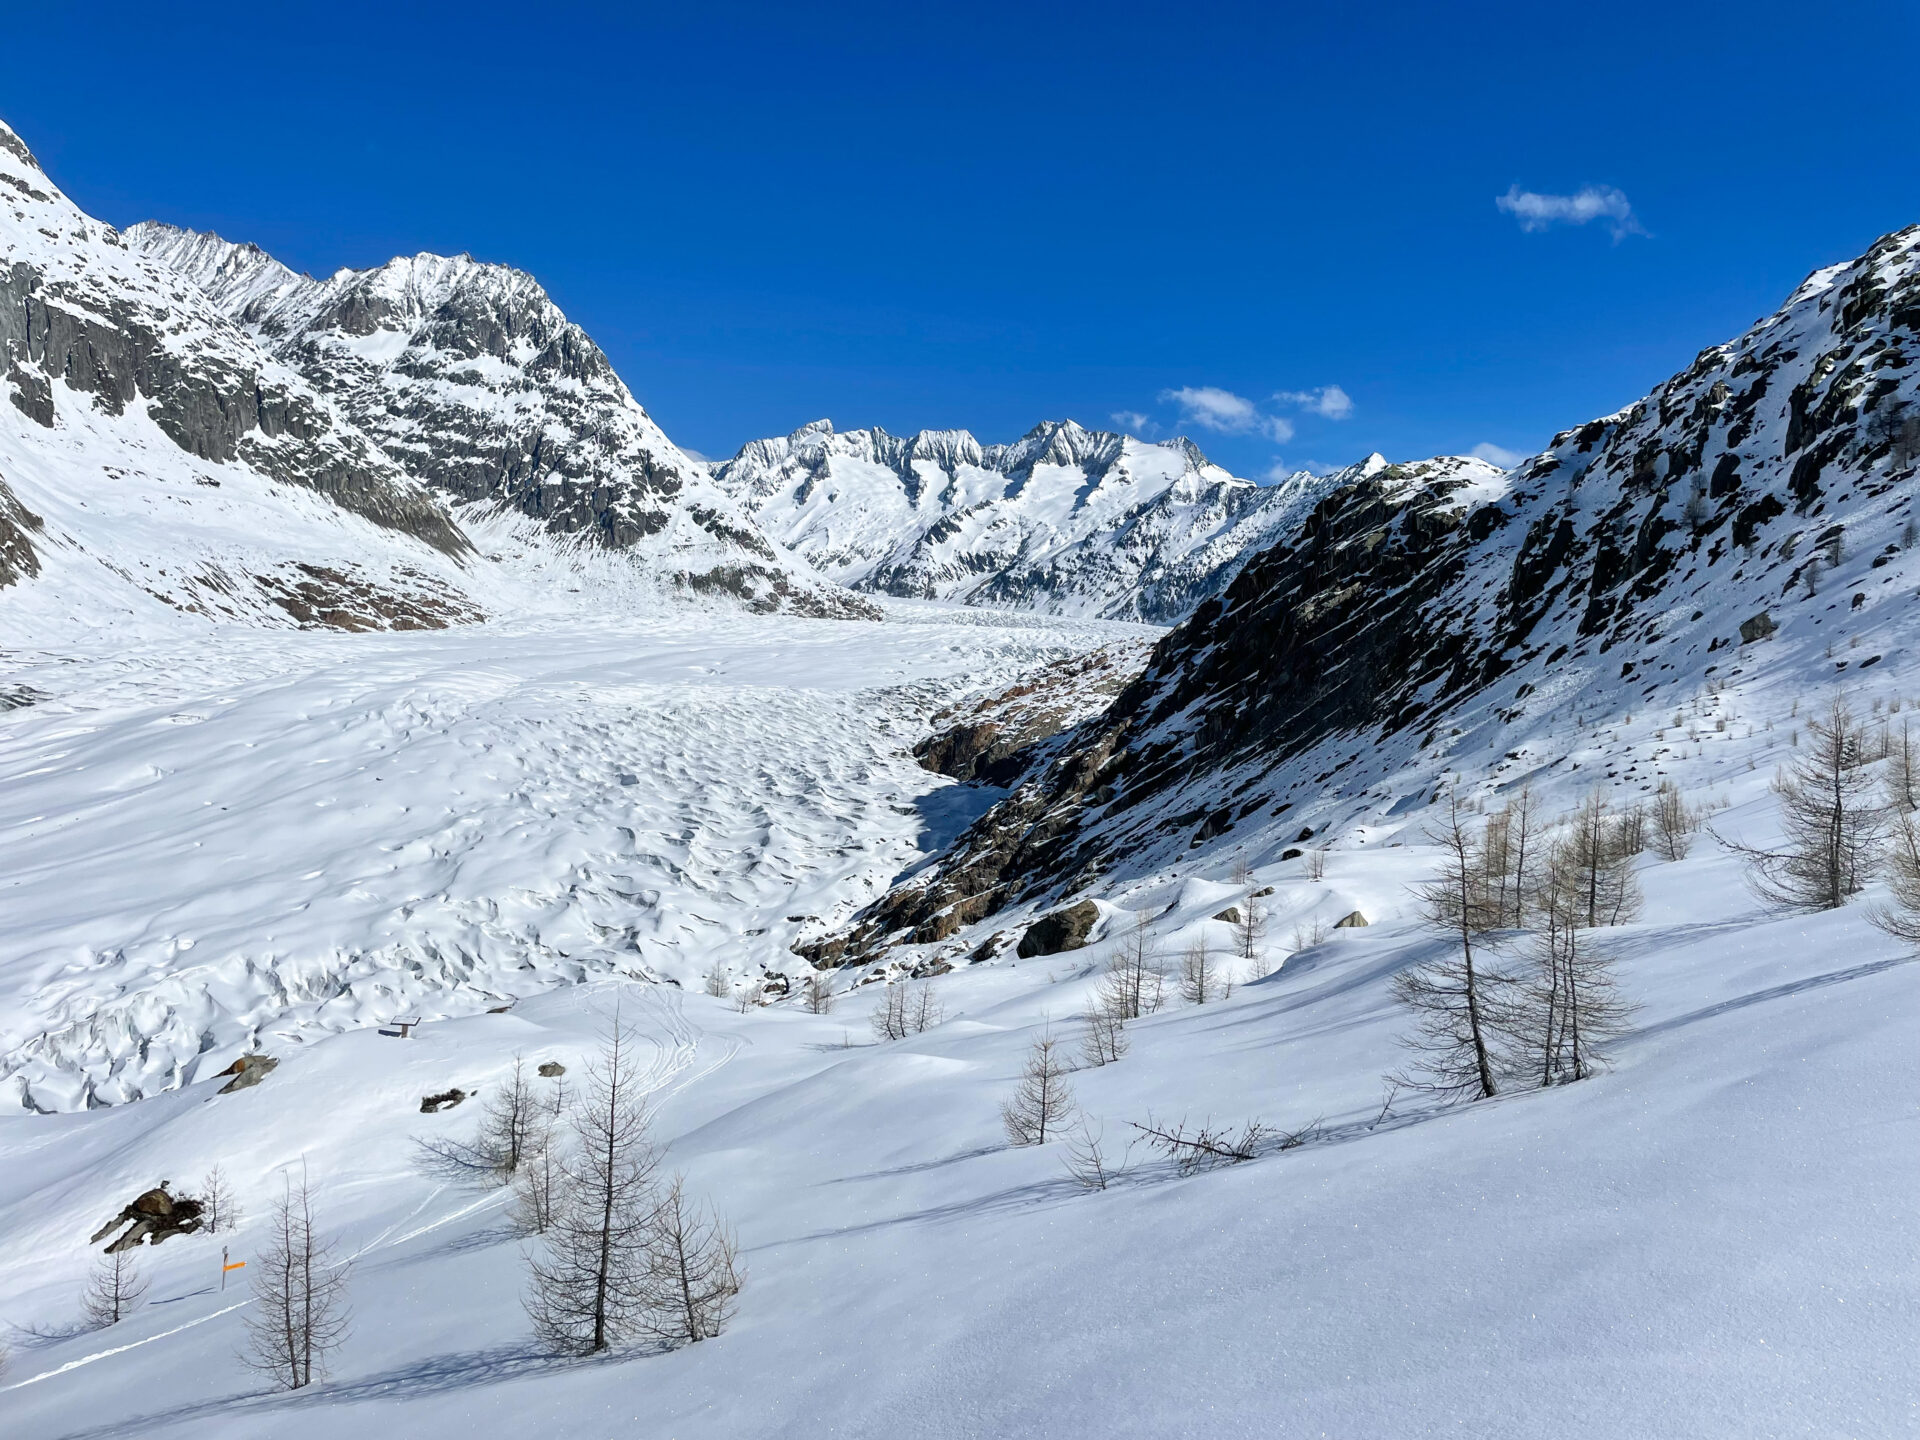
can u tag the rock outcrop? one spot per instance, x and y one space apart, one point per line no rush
1421 607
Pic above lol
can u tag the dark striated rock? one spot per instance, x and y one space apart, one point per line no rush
153 1217
1757 627
551 1068
1063 930
1231 915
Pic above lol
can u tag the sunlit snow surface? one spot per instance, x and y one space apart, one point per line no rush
1712 1238
257 838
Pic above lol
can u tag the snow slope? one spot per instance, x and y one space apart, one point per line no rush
1713 1238
1064 520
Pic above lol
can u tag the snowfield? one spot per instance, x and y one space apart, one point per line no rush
241 838
1712 1238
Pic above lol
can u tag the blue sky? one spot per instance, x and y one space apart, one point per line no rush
1273 226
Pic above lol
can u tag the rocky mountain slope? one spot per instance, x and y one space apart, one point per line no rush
1748 524
471 378
1065 520
147 444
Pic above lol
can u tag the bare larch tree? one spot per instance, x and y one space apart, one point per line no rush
1834 821
816 993
114 1290
1674 822
299 1310
1571 1006
890 1015
1453 1000
589 1273
693 1271
219 1211
1200 974
1133 984
1043 1104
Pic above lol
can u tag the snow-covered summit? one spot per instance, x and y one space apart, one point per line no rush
1065 520
471 377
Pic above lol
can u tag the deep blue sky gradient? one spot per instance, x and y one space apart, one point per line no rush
986 215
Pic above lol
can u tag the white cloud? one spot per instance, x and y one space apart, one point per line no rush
1329 402
1537 212
1496 455
1226 413
1133 422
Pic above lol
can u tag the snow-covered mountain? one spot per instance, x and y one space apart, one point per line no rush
1434 623
471 378
154 459
1064 520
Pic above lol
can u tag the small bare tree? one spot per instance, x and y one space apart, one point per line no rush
1106 1038
1455 1013
716 981
1834 825
1674 822
816 993
924 1010
1901 918
1592 858
1134 984
589 1276
299 1310
508 1120
1521 840
1316 864
1250 929
1903 770
1043 1104
219 1211
1200 974
114 1290
1570 1008
693 1272
1087 1162
537 1183
889 1018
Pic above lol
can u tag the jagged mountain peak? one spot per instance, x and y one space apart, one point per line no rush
471 376
1064 519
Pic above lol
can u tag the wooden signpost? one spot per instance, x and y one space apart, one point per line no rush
227 1264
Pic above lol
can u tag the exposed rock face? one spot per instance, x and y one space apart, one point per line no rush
550 1068
1352 920
248 1071
77 306
1063 930
471 378
1438 591
17 526
992 742
1064 520
445 1100
154 1216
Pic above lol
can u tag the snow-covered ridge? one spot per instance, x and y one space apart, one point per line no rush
472 379
1064 520
1748 527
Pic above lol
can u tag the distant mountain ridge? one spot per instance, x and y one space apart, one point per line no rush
470 376
1064 520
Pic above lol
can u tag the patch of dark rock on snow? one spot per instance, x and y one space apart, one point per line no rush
247 1072
151 1217
551 1068
445 1100
1063 930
